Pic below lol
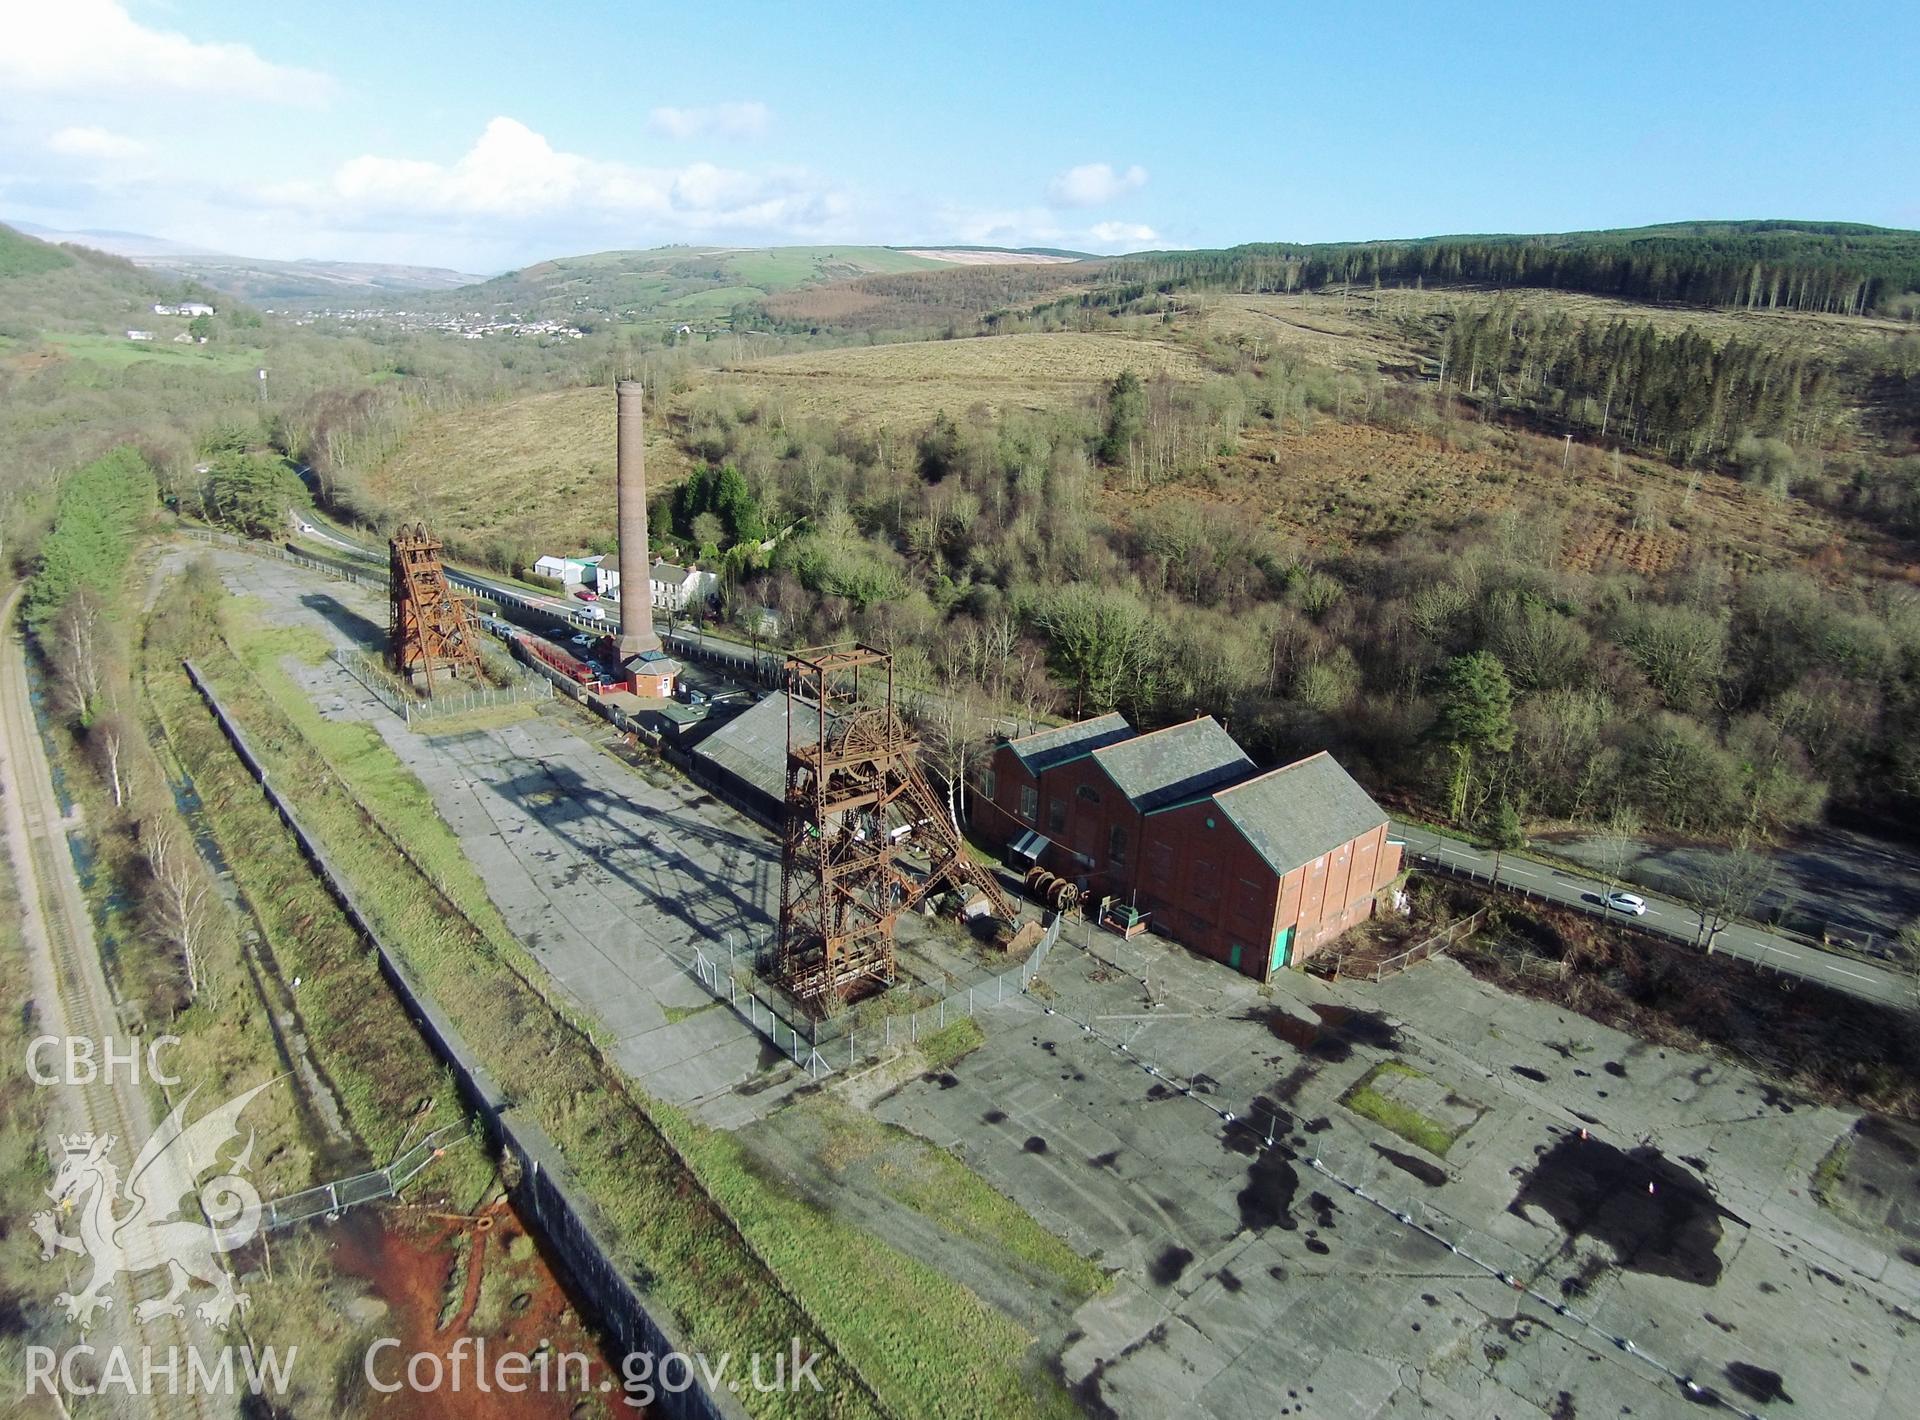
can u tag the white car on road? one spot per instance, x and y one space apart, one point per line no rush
1630 903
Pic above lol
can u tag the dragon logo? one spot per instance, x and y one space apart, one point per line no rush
152 1233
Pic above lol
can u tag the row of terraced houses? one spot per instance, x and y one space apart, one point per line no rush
1257 869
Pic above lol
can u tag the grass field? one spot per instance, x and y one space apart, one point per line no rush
539 468
117 352
906 385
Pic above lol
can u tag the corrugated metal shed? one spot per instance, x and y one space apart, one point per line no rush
1294 814
1176 763
1042 751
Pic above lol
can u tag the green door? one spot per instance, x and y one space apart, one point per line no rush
1281 941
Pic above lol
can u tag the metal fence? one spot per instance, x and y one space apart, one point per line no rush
330 1199
339 573
823 1046
385 687
1364 967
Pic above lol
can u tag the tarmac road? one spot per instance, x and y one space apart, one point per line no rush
1667 917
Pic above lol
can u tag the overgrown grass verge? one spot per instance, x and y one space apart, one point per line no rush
1411 1125
939 1186
940 1350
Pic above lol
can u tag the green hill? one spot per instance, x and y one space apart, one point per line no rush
665 284
21 255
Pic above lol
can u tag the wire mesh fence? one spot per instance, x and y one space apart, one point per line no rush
822 1046
1370 966
372 673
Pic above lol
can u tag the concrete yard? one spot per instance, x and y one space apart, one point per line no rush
613 876
1250 1284
1679 1236
610 877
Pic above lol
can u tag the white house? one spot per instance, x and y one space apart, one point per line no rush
673 588
139 335
569 571
677 588
185 308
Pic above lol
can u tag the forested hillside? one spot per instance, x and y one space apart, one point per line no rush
1822 266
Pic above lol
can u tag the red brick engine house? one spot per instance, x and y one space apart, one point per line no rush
1256 869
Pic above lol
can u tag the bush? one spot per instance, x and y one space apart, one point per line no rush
1769 464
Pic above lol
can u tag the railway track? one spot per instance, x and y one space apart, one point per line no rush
74 1000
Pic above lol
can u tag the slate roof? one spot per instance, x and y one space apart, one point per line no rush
1293 814
1042 751
1176 763
753 745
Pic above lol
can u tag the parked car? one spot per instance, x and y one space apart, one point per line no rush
582 639
1630 903
586 594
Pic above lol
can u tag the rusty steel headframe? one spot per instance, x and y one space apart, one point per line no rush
857 804
431 626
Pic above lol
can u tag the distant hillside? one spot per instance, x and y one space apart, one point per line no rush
258 279
668 285
250 278
1831 267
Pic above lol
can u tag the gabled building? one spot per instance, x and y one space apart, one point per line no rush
670 586
570 571
1257 870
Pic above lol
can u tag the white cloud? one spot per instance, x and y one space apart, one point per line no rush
1095 184
515 177
746 119
94 142
94 47
1121 236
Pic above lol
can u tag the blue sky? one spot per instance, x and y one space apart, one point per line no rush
488 134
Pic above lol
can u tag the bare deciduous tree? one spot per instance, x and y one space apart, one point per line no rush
80 653
182 898
1618 844
1728 888
107 738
